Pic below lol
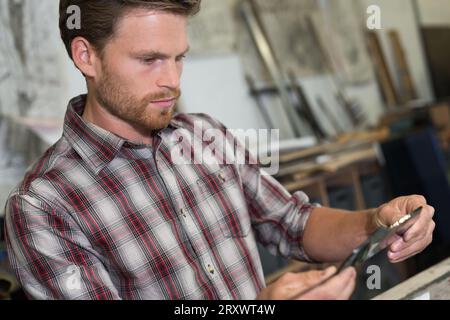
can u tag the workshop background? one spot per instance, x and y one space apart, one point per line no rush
363 114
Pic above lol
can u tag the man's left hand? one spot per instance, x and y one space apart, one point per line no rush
418 236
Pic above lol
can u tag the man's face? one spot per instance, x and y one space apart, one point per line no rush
140 71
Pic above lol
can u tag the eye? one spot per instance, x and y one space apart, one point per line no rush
180 58
147 60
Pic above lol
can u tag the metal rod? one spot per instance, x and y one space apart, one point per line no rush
307 112
256 95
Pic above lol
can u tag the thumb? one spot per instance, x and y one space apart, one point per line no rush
313 278
328 272
300 282
386 215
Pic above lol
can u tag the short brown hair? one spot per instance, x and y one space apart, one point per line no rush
99 18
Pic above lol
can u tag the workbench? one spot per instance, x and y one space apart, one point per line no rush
431 284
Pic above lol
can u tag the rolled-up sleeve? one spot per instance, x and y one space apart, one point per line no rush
50 255
278 217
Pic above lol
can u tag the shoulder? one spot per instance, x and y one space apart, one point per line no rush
42 175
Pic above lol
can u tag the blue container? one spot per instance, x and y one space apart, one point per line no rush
3 255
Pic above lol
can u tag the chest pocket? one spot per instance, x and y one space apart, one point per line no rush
224 199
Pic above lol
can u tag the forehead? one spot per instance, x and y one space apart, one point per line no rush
141 27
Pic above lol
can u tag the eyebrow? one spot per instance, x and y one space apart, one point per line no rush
156 54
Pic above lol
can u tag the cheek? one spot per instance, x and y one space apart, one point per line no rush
143 76
137 80
132 72
134 77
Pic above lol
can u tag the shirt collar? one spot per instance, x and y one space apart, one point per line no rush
96 146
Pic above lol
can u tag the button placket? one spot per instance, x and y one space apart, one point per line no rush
222 176
210 269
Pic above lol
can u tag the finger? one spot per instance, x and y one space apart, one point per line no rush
431 211
388 215
343 285
403 205
401 244
348 291
415 201
412 249
293 284
415 233
332 288
420 226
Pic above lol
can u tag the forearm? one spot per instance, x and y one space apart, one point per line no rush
330 234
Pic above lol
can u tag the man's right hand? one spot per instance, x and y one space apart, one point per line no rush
293 286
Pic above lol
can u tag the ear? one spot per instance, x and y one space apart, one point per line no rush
85 57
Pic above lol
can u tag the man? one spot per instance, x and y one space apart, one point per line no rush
105 213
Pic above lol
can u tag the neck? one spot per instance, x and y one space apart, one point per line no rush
96 114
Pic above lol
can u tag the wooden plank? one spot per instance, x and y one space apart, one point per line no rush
436 46
345 141
324 171
359 195
324 193
344 160
407 87
381 70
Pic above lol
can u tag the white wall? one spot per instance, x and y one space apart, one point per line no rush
216 86
74 81
434 12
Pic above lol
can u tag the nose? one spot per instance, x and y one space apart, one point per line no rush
170 75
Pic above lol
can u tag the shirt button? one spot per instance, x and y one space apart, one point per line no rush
222 176
210 269
183 212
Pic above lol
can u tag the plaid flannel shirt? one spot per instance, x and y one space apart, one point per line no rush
99 217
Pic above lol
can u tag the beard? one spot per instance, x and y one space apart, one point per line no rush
131 109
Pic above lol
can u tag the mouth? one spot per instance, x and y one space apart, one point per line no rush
166 103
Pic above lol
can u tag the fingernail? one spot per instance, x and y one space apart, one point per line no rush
351 271
329 271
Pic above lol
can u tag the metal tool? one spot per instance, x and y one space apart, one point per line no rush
262 108
330 116
305 108
381 239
